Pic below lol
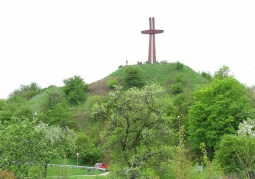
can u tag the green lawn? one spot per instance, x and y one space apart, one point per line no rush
66 172
72 173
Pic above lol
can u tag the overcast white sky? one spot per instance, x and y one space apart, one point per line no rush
47 41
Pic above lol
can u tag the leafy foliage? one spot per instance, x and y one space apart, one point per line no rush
247 127
137 128
236 154
24 143
216 111
111 83
16 106
177 87
207 75
223 72
89 154
181 164
75 89
58 142
179 66
20 146
134 77
27 91
55 111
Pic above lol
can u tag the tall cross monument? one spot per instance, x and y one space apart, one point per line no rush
152 31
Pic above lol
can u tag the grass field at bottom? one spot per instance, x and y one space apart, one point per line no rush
73 173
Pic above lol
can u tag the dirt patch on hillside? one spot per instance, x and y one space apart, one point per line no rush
99 87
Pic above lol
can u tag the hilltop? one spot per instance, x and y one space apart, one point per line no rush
165 74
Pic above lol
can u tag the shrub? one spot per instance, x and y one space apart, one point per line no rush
111 83
75 89
179 66
92 100
177 88
134 77
89 153
207 76
235 154
27 91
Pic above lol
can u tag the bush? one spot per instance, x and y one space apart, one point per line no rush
235 154
111 83
177 88
55 111
75 89
27 91
89 153
207 76
134 77
91 101
179 66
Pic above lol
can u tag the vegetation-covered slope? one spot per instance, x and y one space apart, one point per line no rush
164 74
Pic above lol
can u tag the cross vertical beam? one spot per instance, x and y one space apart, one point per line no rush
152 47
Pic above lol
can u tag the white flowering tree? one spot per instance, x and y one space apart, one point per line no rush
58 140
235 153
247 127
136 129
25 143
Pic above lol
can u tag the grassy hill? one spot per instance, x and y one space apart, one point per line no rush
165 74
168 75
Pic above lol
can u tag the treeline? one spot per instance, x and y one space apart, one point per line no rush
141 129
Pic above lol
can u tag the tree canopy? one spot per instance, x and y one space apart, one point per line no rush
134 77
217 110
75 89
137 127
25 143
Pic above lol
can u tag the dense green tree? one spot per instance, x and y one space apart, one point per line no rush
27 91
137 129
58 143
236 154
134 77
20 146
17 106
25 143
217 110
89 153
55 109
75 89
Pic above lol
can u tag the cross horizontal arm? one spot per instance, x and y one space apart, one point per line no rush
152 31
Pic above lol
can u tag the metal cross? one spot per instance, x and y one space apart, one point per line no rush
152 31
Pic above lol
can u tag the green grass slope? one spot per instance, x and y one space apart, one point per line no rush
37 101
166 74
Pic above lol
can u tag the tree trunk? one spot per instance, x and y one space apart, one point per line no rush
45 170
